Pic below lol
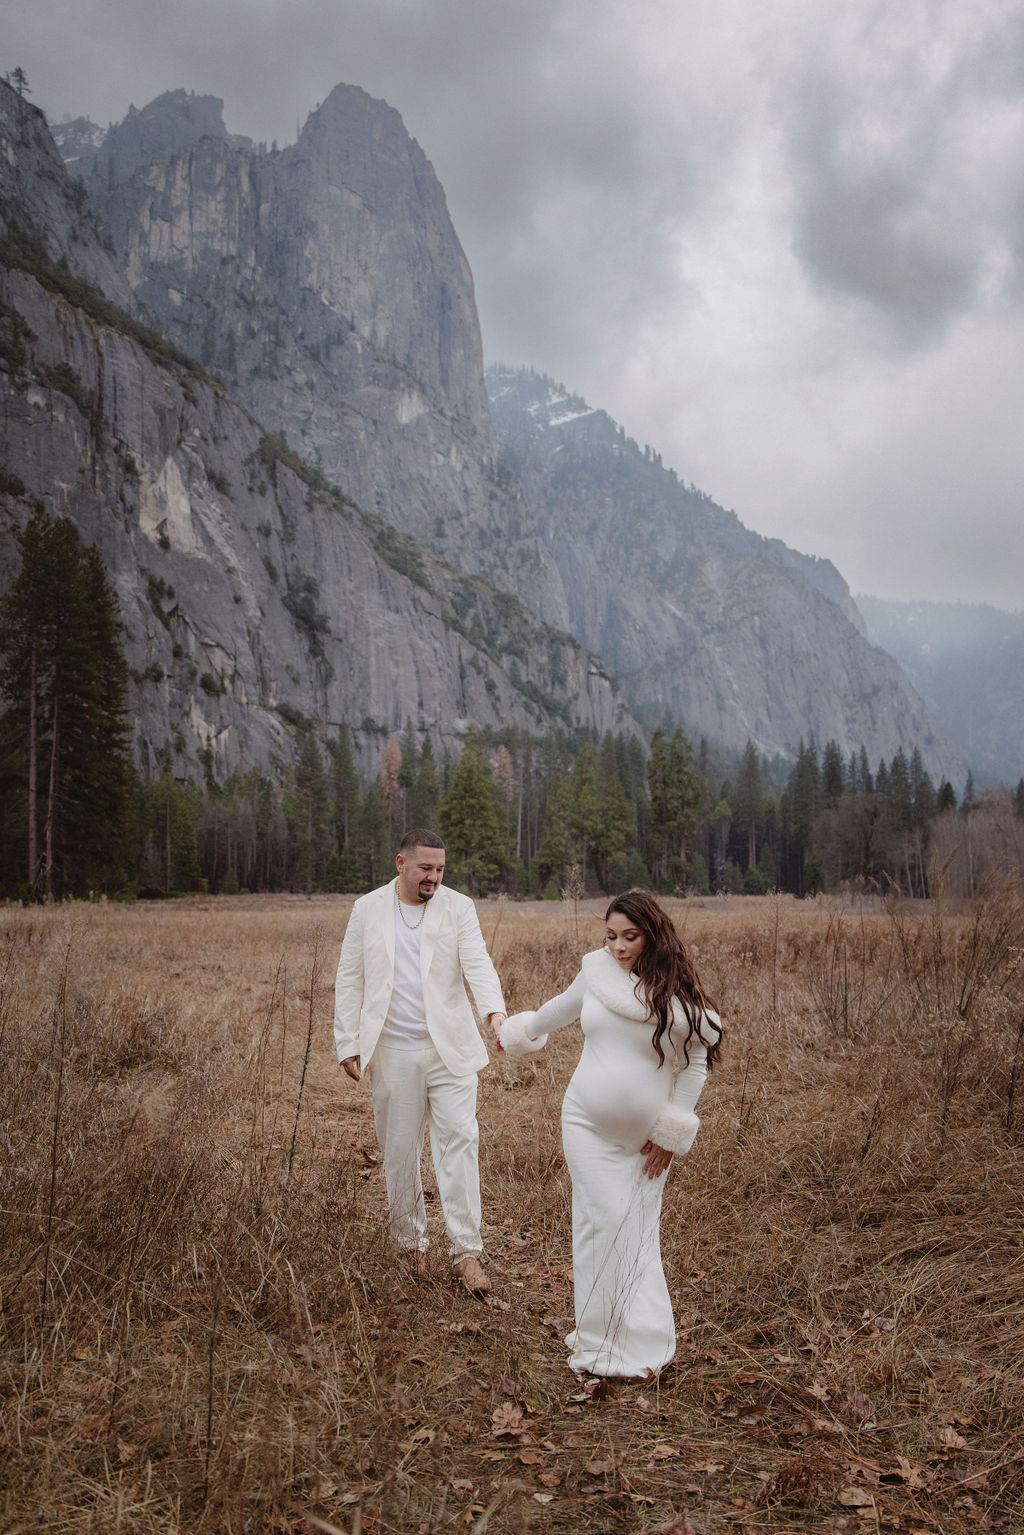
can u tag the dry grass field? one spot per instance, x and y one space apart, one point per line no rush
203 1328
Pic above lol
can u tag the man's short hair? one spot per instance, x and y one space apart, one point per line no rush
420 836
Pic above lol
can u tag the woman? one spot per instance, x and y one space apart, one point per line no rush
643 1012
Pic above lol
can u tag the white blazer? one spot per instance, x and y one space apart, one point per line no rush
452 956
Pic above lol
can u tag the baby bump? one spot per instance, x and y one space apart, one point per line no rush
616 1108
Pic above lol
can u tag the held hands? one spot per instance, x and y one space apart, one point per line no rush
496 1020
656 1159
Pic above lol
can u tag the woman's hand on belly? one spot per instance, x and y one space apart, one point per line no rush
656 1159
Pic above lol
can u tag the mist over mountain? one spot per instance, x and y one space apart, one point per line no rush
967 661
325 286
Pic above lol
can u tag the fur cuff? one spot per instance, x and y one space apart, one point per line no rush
675 1129
514 1038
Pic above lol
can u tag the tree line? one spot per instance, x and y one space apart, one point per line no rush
525 814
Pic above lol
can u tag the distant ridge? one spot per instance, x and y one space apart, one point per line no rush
967 661
700 619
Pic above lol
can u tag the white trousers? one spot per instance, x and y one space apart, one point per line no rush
411 1090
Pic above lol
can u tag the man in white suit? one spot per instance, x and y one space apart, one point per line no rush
401 1013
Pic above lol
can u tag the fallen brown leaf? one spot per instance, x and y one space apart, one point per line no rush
909 1473
507 1418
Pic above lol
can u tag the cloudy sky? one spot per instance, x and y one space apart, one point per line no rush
781 242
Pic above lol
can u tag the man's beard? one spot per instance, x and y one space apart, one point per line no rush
426 891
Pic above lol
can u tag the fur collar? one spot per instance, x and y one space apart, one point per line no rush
615 990
612 987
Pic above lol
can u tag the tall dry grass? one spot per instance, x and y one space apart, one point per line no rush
203 1328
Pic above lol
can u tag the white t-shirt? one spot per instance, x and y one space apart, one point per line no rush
405 1027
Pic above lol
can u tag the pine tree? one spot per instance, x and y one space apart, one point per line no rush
748 799
922 813
471 819
64 680
30 635
803 798
585 806
555 847
374 841
832 781
616 819
171 856
922 793
344 786
306 807
426 795
900 791
946 799
677 792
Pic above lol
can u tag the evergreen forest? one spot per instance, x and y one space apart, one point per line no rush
549 816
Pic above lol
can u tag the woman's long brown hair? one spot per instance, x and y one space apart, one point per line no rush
666 972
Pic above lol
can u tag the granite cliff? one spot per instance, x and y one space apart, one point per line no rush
256 595
700 618
326 285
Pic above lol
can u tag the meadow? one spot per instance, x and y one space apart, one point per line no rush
202 1327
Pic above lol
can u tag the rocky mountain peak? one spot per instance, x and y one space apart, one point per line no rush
258 599
325 284
168 126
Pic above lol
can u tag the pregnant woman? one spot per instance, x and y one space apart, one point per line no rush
649 1038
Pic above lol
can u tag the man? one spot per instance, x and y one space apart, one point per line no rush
401 1008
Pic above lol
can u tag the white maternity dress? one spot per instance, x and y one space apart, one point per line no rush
617 1100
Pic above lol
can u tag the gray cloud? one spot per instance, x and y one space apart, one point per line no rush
783 244
899 160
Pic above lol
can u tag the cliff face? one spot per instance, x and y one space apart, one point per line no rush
253 593
35 192
699 618
326 285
